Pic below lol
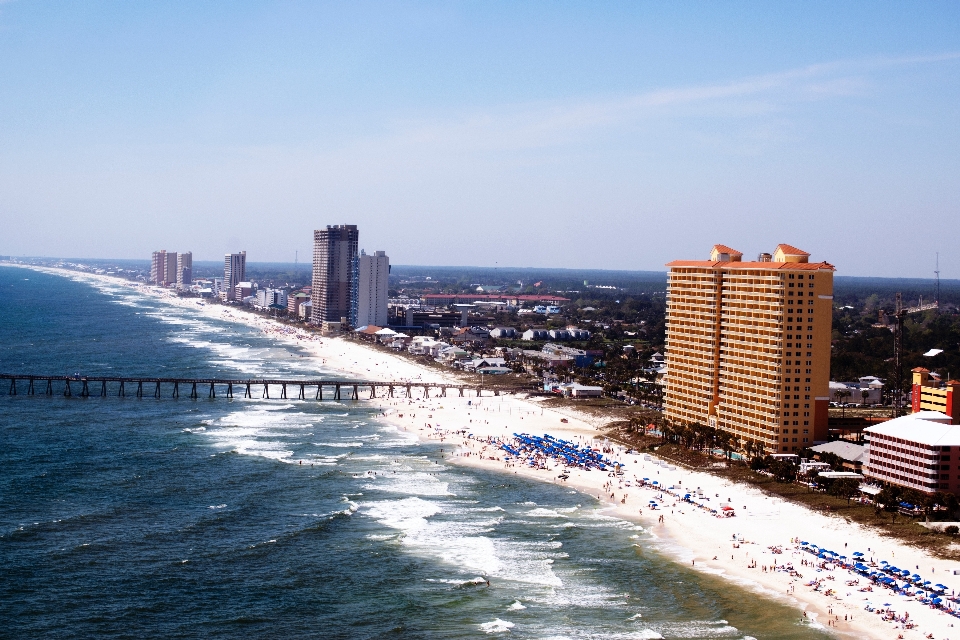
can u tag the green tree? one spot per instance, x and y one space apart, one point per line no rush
845 488
889 500
783 470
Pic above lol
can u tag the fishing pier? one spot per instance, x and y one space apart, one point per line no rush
102 386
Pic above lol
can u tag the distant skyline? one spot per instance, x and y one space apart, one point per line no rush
573 135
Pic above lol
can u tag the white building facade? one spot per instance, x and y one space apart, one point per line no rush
373 290
234 272
916 451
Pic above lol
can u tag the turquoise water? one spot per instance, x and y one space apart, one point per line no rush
125 517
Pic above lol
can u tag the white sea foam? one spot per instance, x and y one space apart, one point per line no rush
408 515
410 483
217 506
460 544
496 626
540 512
516 606
342 445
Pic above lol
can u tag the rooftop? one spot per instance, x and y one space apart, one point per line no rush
791 251
846 450
790 266
925 427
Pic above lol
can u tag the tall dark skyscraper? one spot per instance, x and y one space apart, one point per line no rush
334 256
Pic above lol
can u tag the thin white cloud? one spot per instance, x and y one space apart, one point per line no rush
533 125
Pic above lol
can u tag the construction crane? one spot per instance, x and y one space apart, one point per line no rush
900 313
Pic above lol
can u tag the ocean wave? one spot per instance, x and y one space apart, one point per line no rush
496 626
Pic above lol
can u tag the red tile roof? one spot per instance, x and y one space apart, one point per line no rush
790 266
791 251
722 248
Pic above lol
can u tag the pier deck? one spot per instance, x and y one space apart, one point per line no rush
102 386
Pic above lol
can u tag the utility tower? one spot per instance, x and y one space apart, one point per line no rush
937 273
898 357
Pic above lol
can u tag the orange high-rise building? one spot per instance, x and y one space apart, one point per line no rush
748 346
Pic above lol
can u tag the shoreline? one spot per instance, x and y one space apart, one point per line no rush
761 521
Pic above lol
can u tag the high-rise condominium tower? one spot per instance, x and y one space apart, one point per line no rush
334 254
163 268
748 346
184 269
372 290
234 272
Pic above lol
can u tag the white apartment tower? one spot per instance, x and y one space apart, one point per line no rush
163 268
184 269
372 292
234 272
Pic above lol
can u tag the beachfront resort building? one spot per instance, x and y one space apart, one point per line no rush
335 274
184 270
170 267
915 451
234 272
748 346
372 290
929 394
163 268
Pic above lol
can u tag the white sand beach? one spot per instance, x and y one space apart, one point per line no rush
744 548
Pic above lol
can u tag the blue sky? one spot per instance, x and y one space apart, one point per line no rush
555 134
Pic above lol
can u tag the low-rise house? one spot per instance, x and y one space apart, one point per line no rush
368 332
575 390
452 355
580 357
427 346
470 336
494 371
536 334
479 363
503 332
399 342
548 359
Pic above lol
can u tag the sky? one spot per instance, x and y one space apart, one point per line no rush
533 134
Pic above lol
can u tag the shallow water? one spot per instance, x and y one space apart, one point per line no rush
268 518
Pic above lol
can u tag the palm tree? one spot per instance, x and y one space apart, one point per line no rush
840 394
864 393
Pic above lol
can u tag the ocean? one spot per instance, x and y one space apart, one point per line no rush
217 518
